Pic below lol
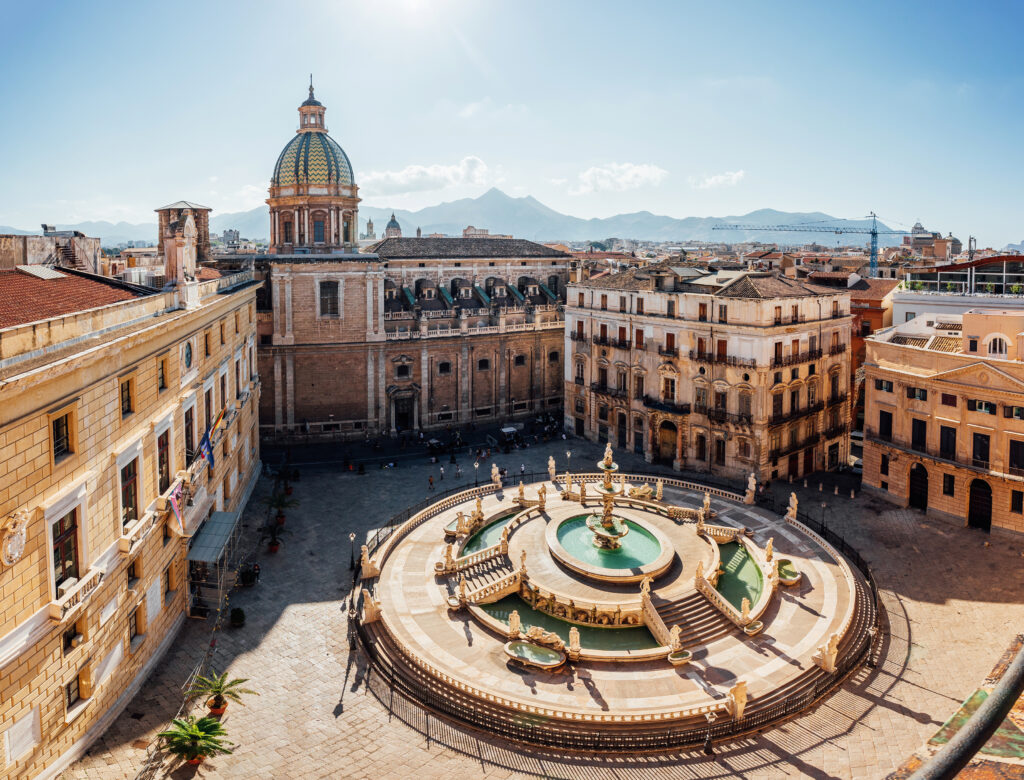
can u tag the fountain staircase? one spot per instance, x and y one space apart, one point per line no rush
481 574
699 619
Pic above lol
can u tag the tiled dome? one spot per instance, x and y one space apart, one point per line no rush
313 158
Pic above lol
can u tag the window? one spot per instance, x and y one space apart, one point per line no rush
794 374
743 448
721 401
668 388
190 433
328 299
639 338
885 385
622 303
602 412
161 374
206 344
723 313
1017 502
917 393
639 305
581 300
671 309
794 400
223 390
163 460
132 573
1016 457
702 312
776 404
61 427
483 364
168 585
579 373
796 313
130 493
918 434
947 442
948 399
812 393
985 407
700 396
997 346
287 232
71 693
519 360
444 368
778 315
745 404
236 322
553 356
65 549
835 309
604 302
133 624
883 468
980 450
222 336
1016 412
948 485
68 638
972 344
402 371
638 387
885 425
127 397
318 231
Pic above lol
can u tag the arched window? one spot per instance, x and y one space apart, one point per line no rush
997 346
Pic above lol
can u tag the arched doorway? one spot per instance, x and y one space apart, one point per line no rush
979 511
667 435
918 487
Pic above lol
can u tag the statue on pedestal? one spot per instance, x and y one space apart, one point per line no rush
737 701
542 496
700 571
503 549
645 588
676 642
495 475
607 454
522 494
768 551
514 625
706 506
793 505
462 589
551 467
659 489
574 642
522 562
745 612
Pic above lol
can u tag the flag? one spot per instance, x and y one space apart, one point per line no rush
217 422
175 501
206 448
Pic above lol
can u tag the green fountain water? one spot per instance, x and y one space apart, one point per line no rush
487 536
638 548
741 577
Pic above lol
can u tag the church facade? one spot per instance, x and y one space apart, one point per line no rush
409 334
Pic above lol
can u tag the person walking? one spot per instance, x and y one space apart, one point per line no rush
430 482
522 469
458 472
442 473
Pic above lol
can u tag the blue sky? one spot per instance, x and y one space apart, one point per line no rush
912 110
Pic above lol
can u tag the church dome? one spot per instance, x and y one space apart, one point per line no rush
312 157
393 223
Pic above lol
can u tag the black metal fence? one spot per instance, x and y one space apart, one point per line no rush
385 679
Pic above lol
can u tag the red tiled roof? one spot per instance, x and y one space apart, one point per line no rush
205 273
829 275
872 289
25 298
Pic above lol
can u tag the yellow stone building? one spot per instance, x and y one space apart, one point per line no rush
944 417
106 390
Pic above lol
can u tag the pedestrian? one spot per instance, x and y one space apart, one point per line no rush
522 469
458 472
442 472
430 482
256 571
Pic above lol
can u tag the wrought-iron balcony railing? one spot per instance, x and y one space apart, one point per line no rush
796 414
794 446
604 389
728 360
837 399
793 359
668 351
837 349
666 406
722 416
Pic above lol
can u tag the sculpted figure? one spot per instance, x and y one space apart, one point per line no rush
514 625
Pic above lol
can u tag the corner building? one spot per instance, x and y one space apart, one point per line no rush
944 417
414 333
730 373
105 392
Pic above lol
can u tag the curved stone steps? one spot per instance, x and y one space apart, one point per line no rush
699 619
481 574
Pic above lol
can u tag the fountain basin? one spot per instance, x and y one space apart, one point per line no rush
645 551
529 654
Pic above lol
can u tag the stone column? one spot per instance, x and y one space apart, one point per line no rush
678 462
305 227
424 382
295 226
278 392
290 384
503 356
463 367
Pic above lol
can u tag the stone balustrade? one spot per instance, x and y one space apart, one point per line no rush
136 532
654 622
496 590
580 610
70 603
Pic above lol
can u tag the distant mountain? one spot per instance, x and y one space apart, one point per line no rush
527 217
1015 248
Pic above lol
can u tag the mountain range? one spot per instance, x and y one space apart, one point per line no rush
526 217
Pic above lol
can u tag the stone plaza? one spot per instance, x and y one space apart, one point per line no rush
944 623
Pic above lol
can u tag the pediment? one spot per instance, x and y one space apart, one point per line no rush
981 375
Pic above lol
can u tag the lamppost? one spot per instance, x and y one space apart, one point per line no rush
352 554
823 505
476 473
568 461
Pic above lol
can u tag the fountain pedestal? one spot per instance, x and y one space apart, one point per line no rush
606 527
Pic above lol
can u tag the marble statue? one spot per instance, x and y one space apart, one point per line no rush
793 505
495 475
607 454
675 633
700 571
745 616
514 624
574 641
826 655
748 497
542 637
659 489
522 494
479 513
768 551
522 561
503 544
449 558
551 467
706 506
368 569
645 588
462 589
542 495
583 491
700 522
737 701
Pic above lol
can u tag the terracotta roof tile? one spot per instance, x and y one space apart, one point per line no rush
25 298
872 289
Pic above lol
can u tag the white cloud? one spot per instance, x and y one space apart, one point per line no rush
617 177
727 179
421 178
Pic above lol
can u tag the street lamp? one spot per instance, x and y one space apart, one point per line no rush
476 473
823 505
568 461
352 555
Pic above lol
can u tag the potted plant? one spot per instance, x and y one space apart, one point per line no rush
280 503
194 739
273 533
237 617
219 688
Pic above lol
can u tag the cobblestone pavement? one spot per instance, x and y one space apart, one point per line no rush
953 606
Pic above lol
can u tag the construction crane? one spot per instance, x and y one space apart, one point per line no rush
873 231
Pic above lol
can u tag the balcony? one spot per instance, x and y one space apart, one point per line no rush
835 430
794 447
668 351
727 360
65 607
603 389
602 341
837 399
666 406
722 416
799 357
790 320
796 414
622 343
943 454
574 336
837 349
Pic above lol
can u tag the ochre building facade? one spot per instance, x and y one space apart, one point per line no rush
103 403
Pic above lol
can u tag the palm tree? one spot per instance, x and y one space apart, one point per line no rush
194 739
221 689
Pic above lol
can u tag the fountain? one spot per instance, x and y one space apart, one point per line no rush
608 529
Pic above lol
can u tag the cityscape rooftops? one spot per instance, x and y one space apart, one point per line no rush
412 248
29 297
